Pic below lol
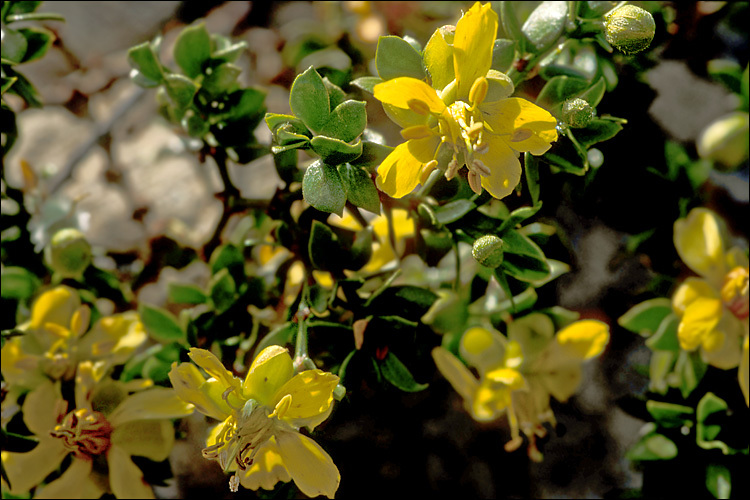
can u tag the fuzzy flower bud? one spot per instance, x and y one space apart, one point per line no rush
68 254
629 29
488 250
577 113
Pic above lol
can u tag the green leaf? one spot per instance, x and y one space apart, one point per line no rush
395 57
668 414
180 89
323 189
653 446
161 324
276 121
38 42
531 168
334 151
410 302
574 58
690 368
359 187
645 318
557 90
22 7
372 155
7 83
192 49
727 72
519 215
718 481
222 290
309 100
347 121
563 164
14 46
503 53
665 338
660 369
182 293
18 283
221 80
281 335
545 24
336 95
230 257
324 248
706 432
143 58
597 131
230 53
523 260
453 211
399 375
367 83
593 95
509 22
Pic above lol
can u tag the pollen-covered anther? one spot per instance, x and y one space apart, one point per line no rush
521 134
452 169
480 167
478 91
419 107
734 293
475 181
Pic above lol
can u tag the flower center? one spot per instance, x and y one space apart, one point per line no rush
463 127
84 432
734 293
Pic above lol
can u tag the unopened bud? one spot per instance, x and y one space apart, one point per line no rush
577 113
630 29
725 140
488 250
68 254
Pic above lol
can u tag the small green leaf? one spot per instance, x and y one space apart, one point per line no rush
665 338
519 215
18 283
523 259
143 58
690 368
645 318
367 83
593 95
372 155
323 189
309 100
230 257
511 27
653 446
545 24
395 57
347 121
503 54
38 41
221 80
660 369
557 90
399 375
334 151
597 131
14 46
192 49
281 335
7 83
324 247
563 164
180 89
21 7
668 414
222 290
453 211
718 481
230 53
161 324
360 189
182 293
706 433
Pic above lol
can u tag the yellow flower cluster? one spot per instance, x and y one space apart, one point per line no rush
518 374
467 109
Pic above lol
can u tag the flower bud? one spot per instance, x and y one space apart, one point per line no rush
68 254
726 140
577 113
629 29
488 250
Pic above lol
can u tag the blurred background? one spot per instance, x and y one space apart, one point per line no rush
106 162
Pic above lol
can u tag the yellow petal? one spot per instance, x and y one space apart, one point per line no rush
20 368
743 371
483 349
562 383
42 407
116 337
400 172
699 320
125 478
399 91
271 369
55 306
310 466
75 482
489 402
312 394
152 439
209 362
438 57
507 377
699 241
504 167
382 252
267 468
191 386
690 290
472 46
26 470
462 380
523 125
404 117
586 338
722 347
156 403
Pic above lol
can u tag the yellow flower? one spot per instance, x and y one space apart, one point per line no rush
259 436
56 340
519 374
383 252
107 426
468 110
713 308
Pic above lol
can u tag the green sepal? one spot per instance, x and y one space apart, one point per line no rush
323 189
395 57
360 190
334 151
192 49
690 369
309 99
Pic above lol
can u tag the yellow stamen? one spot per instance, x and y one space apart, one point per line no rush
478 91
416 132
419 107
